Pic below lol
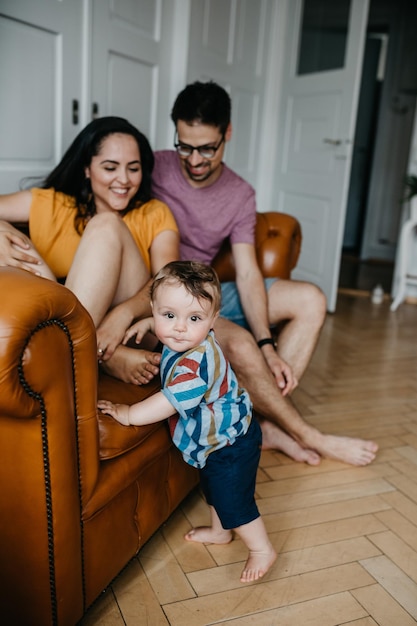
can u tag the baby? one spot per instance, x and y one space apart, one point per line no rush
214 428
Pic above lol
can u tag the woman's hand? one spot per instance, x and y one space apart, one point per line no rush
112 330
17 250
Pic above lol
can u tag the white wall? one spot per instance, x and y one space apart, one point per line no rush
131 58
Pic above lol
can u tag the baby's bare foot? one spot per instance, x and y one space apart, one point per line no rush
257 565
206 534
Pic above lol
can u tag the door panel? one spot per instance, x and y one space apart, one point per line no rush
317 126
228 44
40 43
126 59
311 118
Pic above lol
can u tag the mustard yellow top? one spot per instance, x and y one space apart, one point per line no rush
52 231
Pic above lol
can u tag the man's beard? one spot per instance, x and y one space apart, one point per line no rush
198 178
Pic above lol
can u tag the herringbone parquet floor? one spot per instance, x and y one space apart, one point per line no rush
346 536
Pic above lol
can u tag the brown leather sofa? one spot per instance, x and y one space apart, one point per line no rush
80 494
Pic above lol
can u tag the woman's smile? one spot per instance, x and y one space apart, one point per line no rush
115 173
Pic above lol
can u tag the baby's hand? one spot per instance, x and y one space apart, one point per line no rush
119 412
139 329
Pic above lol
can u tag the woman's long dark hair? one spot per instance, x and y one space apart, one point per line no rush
69 175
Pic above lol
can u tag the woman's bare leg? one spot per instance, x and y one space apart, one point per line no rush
41 268
107 270
107 267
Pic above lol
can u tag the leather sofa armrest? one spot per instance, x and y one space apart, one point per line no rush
48 438
278 244
48 370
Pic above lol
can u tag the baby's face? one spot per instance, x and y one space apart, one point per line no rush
181 321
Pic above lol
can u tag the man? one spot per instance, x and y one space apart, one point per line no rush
210 203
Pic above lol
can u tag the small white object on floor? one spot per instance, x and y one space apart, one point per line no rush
377 295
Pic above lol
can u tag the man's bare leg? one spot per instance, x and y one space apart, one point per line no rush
280 412
273 437
303 305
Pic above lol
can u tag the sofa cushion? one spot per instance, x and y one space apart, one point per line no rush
116 439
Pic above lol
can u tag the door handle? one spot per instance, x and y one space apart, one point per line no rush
333 142
75 111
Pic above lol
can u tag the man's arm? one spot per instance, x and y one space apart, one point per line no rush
253 296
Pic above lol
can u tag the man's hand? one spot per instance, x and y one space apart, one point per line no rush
281 371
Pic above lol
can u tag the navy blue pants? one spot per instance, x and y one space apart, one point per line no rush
229 477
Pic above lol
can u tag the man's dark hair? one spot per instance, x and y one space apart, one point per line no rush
206 103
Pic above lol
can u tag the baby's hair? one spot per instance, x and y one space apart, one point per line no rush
195 277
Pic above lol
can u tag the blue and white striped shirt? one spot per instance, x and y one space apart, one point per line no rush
213 410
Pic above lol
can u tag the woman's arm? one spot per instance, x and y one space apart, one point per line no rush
15 207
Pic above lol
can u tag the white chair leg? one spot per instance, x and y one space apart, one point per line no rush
405 239
398 298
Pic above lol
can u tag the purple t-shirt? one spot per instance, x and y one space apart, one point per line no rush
205 216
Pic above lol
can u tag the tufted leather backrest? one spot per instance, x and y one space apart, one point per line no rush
278 245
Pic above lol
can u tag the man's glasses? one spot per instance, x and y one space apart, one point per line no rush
207 152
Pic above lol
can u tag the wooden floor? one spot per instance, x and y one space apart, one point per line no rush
346 537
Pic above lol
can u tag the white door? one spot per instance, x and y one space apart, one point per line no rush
320 96
40 78
229 44
131 61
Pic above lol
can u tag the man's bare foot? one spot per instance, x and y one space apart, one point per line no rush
346 449
132 365
273 438
257 565
206 534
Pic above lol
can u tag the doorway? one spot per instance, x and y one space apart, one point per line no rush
384 123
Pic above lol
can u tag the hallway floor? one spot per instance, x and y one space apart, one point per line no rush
346 536
364 275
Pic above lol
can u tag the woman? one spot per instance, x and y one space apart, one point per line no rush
94 225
